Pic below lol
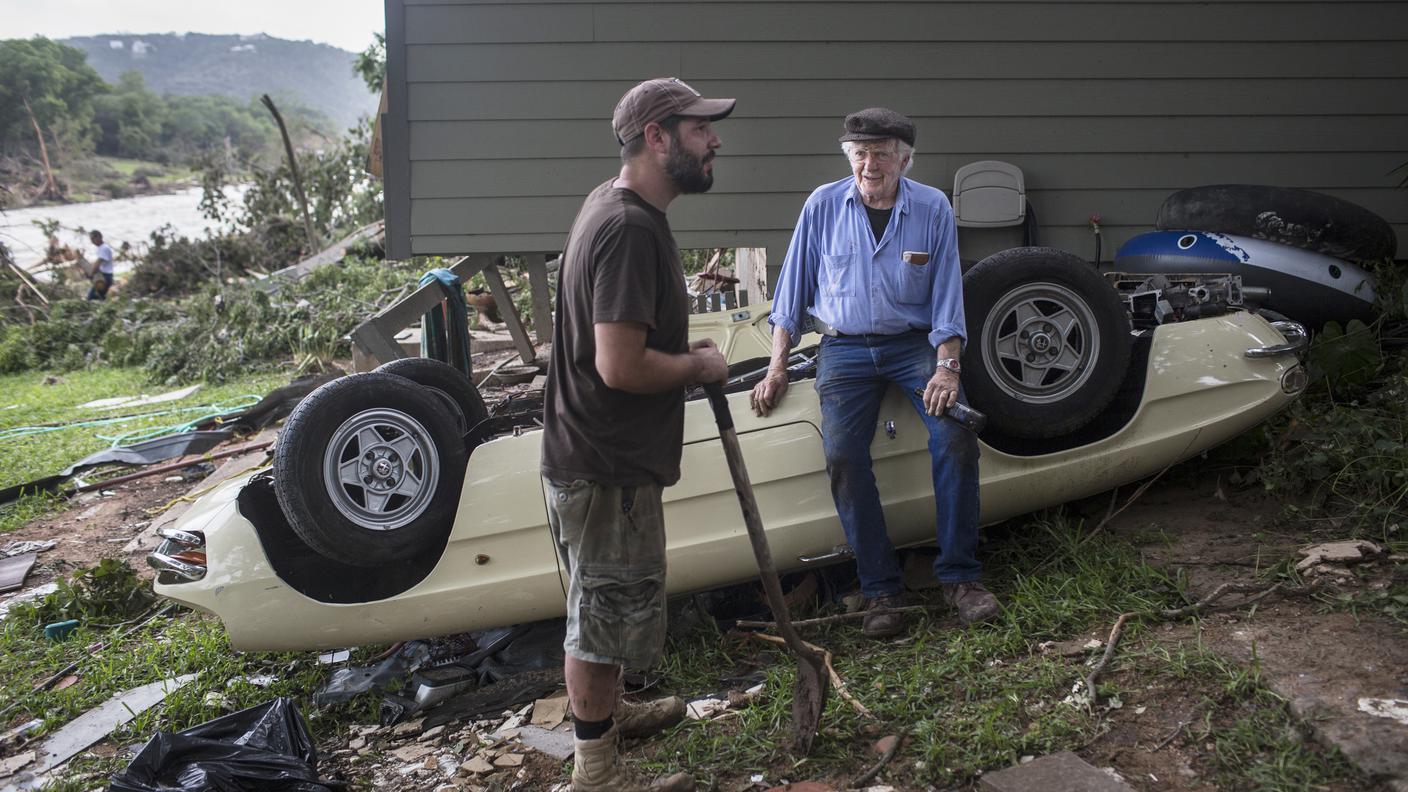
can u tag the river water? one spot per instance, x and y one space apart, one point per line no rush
130 220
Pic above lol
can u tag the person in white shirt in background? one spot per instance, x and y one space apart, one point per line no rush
102 275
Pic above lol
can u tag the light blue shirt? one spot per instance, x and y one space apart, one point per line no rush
837 272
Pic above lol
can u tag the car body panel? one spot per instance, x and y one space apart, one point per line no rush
500 566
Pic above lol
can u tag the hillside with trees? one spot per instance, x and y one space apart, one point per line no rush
63 126
317 76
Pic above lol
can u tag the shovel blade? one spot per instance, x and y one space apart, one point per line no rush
808 700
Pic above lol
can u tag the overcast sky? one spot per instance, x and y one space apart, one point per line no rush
348 24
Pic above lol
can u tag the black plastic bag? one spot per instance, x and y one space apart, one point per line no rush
262 748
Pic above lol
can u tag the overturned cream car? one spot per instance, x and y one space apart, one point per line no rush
398 507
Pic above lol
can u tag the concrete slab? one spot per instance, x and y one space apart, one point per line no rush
1325 665
1059 772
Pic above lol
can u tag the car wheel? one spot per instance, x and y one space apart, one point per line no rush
1299 218
1048 341
368 469
447 382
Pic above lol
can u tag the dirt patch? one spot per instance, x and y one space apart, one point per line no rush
97 525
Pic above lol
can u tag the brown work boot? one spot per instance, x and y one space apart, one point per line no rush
974 602
647 718
877 622
597 767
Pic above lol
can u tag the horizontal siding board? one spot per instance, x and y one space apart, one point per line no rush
725 60
442 140
1076 239
524 22
577 177
778 211
549 101
981 21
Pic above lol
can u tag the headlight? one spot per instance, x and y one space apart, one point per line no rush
1295 379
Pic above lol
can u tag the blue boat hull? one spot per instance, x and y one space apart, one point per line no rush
1309 287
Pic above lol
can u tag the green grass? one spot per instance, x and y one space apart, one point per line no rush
27 401
977 699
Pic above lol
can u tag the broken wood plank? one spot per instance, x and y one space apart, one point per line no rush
100 721
14 570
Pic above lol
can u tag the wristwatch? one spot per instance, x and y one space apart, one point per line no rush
951 364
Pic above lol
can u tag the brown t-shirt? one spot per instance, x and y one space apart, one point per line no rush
621 265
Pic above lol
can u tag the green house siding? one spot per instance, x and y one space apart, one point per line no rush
499 112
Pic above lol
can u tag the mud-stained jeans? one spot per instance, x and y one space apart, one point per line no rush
852 376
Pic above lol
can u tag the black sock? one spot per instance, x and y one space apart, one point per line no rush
592 730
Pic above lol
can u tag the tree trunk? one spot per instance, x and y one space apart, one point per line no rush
313 242
51 189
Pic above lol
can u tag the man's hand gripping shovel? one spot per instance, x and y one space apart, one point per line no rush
809 694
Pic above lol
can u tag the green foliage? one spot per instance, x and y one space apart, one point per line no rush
1345 441
371 63
109 591
57 83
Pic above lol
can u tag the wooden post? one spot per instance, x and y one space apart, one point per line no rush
536 264
313 242
752 275
506 307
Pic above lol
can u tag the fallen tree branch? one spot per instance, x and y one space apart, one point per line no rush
1116 633
1259 593
1207 603
766 625
837 683
869 775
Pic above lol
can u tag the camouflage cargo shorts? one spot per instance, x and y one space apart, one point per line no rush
611 541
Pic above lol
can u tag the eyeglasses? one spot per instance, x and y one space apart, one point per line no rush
882 156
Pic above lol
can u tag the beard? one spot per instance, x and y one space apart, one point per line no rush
687 171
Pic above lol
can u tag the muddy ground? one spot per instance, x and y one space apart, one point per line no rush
1322 660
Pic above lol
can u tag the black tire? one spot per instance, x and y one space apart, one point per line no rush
446 381
1033 377
1285 215
368 469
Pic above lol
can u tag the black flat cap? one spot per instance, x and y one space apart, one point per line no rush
877 123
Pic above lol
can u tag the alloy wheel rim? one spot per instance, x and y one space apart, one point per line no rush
1040 343
380 469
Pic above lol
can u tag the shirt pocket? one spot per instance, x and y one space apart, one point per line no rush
914 283
837 269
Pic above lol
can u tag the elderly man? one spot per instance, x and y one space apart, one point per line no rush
874 260
614 417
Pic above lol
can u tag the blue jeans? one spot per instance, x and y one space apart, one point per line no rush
852 376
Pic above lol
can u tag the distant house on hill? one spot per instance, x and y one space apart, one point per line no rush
498 119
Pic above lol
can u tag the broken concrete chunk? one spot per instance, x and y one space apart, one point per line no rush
432 733
1354 551
477 766
557 744
548 712
409 727
509 760
411 753
1059 772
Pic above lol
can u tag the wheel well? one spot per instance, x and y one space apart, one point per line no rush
1108 421
314 575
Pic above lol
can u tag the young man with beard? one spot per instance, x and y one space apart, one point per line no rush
874 259
614 417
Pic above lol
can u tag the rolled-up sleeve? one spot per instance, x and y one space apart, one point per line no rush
947 320
796 285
